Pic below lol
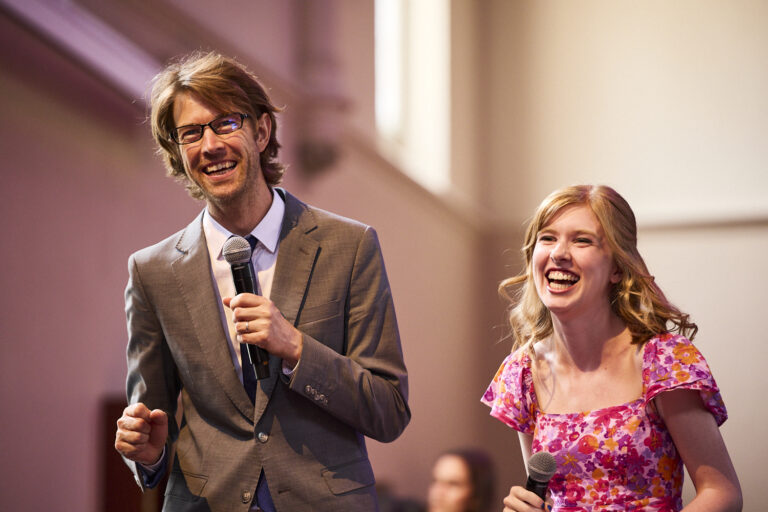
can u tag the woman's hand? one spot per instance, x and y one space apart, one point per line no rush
520 499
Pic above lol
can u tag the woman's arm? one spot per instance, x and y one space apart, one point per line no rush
519 498
700 445
526 443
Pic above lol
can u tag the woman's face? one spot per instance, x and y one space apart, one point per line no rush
573 267
451 488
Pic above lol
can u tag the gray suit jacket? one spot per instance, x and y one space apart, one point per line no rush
307 431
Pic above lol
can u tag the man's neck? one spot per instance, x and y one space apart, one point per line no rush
242 216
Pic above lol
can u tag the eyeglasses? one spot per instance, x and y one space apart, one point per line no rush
223 125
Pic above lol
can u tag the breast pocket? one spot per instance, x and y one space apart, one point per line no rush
325 323
319 313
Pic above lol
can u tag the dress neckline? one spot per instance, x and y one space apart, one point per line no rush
630 404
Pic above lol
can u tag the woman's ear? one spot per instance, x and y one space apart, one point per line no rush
617 274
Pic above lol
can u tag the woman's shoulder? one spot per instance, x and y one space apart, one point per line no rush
670 362
516 367
510 394
668 349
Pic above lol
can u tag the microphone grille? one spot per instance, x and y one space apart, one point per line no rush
236 250
541 466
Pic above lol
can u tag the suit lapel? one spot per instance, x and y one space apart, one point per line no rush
295 261
296 258
192 271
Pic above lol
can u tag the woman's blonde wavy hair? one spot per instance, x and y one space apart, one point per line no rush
224 84
636 299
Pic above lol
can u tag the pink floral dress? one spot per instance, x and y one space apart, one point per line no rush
617 458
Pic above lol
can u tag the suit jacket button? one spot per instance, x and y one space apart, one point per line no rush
263 437
308 389
246 496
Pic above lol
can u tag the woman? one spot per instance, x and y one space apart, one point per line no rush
596 376
462 481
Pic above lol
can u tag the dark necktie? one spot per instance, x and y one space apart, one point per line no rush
263 498
249 375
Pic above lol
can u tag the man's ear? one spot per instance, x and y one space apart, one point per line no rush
263 131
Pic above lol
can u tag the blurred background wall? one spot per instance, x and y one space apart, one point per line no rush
665 101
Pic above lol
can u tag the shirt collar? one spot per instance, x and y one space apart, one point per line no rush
267 231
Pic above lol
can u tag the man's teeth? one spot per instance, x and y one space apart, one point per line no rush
219 167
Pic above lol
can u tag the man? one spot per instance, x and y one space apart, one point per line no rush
324 314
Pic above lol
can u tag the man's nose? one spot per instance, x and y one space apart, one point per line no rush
210 142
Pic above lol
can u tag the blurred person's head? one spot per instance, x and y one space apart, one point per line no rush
462 481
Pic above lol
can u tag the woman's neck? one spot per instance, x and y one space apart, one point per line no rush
586 342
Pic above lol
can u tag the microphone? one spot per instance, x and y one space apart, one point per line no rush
541 467
237 252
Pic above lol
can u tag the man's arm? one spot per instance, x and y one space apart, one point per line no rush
367 387
141 434
152 385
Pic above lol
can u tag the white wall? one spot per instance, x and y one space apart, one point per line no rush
666 102
713 273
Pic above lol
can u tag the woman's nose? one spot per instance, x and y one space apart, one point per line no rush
559 253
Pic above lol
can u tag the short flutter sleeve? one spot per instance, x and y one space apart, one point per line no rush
511 396
672 362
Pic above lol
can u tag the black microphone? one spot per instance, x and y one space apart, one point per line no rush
237 252
541 467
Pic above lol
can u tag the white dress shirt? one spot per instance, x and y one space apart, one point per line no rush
264 259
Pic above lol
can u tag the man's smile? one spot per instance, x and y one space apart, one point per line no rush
219 168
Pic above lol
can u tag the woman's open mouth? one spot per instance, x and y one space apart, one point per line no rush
560 280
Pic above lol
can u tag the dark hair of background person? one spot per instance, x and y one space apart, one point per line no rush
482 477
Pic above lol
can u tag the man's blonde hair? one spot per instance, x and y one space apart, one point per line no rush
222 83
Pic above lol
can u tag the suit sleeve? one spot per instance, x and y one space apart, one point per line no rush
367 386
152 378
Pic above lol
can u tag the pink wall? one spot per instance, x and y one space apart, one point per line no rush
80 190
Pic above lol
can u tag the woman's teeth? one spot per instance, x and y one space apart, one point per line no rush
561 280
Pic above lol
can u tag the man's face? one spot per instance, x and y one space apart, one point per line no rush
225 167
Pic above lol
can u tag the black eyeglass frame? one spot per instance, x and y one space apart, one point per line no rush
175 132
